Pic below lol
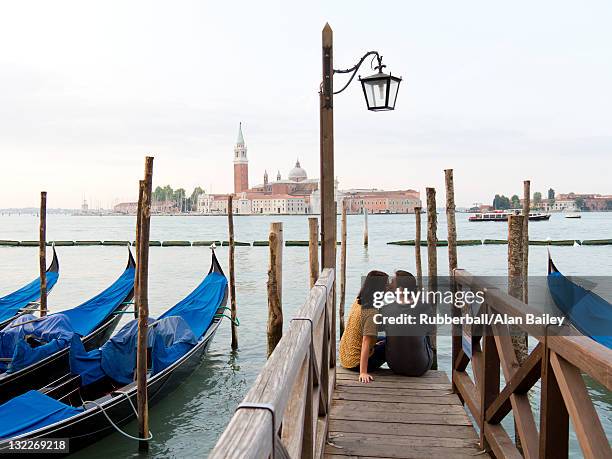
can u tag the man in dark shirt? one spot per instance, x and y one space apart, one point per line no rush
408 349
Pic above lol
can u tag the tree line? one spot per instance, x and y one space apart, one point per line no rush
179 197
501 202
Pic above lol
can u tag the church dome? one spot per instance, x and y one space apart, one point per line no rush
297 174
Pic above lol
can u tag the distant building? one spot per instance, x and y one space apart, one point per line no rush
162 207
381 202
297 194
241 164
551 194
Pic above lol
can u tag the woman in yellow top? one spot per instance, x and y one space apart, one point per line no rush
359 350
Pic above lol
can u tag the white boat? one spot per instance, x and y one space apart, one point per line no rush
574 214
502 216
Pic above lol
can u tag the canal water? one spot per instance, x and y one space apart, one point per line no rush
189 421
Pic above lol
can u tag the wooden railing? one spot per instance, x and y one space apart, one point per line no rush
285 412
558 361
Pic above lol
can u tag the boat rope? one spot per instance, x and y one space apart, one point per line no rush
122 312
235 322
117 428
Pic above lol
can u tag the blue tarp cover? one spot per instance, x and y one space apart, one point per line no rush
171 337
199 307
89 315
32 411
19 299
588 312
56 331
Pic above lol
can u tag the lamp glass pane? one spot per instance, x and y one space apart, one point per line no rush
393 88
376 92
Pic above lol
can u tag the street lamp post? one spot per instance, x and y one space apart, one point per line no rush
380 91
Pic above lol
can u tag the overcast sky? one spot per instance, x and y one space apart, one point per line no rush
499 91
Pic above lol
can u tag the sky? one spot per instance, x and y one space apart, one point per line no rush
499 91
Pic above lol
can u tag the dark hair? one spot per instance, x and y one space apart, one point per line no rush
404 280
375 281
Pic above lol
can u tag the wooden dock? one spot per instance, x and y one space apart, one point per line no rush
304 406
398 417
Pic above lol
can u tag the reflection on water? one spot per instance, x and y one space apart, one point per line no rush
188 422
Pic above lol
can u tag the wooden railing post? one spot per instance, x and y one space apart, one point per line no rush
275 287
554 418
489 380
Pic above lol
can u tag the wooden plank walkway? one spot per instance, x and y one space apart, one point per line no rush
399 417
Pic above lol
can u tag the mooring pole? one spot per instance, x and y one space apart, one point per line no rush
516 227
417 247
365 227
452 257
142 304
526 210
42 253
275 286
232 282
313 249
342 268
432 263
141 186
328 215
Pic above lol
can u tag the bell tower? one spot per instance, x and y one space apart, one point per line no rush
241 164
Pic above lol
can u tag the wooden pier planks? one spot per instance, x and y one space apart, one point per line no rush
398 417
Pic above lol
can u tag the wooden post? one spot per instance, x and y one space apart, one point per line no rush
142 303
554 418
342 268
313 249
432 262
515 276
141 186
452 257
365 227
450 218
42 252
232 282
328 215
417 247
526 208
515 288
275 287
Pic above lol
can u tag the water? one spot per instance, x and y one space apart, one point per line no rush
188 422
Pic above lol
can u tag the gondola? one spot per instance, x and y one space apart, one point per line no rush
22 301
589 313
83 405
34 351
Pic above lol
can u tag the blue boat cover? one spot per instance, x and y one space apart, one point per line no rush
32 411
89 315
19 299
588 312
55 331
199 307
170 337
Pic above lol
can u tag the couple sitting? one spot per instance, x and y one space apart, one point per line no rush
360 348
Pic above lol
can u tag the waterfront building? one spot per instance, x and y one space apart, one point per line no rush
381 202
297 194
